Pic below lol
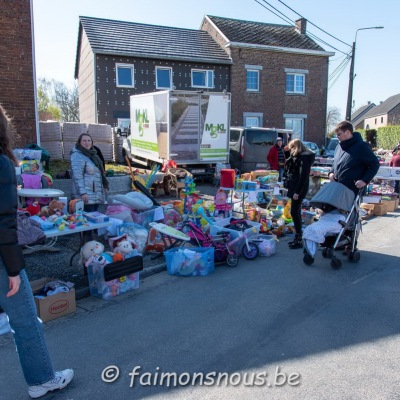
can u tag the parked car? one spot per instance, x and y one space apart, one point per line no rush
249 147
329 150
314 147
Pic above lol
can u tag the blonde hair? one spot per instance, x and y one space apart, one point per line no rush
297 147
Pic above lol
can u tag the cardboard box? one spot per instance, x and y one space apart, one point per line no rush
372 199
395 172
379 209
391 205
54 306
96 217
384 171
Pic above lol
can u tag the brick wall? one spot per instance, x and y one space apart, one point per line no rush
16 77
272 100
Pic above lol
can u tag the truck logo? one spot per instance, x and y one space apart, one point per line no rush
142 120
215 129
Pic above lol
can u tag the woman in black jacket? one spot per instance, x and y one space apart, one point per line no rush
16 297
297 172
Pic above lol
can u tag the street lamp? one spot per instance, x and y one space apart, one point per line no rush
351 75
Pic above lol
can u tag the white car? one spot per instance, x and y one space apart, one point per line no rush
313 146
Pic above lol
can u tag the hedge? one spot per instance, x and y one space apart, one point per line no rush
387 137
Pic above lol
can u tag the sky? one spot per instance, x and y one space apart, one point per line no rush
377 55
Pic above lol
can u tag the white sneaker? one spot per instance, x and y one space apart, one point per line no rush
61 379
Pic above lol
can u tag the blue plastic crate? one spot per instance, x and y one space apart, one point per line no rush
190 261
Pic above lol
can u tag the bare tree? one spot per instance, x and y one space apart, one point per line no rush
67 100
333 117
56 101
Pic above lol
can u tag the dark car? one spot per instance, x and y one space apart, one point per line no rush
329 150
313 146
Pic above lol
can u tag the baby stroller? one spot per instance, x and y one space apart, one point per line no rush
338 228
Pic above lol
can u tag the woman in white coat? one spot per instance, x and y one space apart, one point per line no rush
89 181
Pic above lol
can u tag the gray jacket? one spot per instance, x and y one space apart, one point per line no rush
86 178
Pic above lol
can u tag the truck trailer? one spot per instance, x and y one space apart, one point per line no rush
191 128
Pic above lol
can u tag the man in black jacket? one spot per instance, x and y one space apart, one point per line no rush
354 163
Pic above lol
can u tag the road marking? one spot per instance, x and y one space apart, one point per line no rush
366 276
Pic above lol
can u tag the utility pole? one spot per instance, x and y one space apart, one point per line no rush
351 74
351 79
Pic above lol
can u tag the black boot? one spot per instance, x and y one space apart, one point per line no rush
296 238
297 243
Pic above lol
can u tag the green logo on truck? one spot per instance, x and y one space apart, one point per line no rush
142 120
215 129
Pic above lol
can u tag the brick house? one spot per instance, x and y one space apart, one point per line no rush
117 59
385 114
17 93
279 76
358 116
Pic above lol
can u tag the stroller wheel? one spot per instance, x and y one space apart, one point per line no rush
250 253
232 260
336 263
354 257
329 252
308 260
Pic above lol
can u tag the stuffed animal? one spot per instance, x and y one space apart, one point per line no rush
123 250
55 207
33 208
92 252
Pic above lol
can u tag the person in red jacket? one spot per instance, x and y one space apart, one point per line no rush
276 157
395 162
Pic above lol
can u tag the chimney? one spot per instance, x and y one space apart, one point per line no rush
369 102
301 25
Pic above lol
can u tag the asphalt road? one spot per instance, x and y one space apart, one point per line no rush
335 334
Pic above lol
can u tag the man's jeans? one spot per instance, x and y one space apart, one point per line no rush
31 346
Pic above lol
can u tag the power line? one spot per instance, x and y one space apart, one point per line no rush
280 1
288 20
339 74
291 22
336 70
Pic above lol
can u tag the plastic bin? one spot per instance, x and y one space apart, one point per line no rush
266 245
115 278
145 217
190 261
227 179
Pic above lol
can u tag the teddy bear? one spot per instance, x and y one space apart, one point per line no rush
55 207
124 250
92 252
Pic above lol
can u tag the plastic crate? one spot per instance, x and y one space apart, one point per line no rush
190 261
145 217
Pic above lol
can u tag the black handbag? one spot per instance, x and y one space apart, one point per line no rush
118 269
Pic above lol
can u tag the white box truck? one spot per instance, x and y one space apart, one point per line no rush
191 128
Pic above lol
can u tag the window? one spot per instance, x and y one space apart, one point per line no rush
252 119
296 124
163 78
252 80
125 75
234 136
202 78
261 137
295 83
